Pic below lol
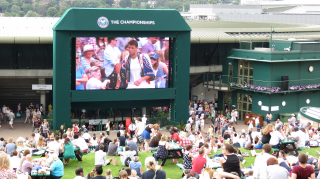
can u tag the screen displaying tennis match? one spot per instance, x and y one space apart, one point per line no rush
121 63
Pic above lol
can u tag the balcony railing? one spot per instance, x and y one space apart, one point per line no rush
226 82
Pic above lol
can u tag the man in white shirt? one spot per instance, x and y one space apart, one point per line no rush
4 109
292 120
55 145
276 137
86 136
80 143
132 129
278 123
260 163
144 119
188 127
299 137
101 157
79 173
94 83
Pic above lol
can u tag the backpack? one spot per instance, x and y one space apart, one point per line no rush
127 161
118 134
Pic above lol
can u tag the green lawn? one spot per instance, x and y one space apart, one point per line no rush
173 172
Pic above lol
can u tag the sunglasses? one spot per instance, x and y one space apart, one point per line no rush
153 59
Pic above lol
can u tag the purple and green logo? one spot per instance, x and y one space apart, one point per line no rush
103 22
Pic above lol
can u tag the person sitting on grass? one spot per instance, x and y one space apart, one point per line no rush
101 157
125 154
79 174
230 162
112 149
302 171
98 172
152 172
274 171
198 163
136 165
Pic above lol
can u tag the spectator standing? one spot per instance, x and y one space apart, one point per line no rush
132 129
269 118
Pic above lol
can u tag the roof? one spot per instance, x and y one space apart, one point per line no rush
311 113
39 30
122 19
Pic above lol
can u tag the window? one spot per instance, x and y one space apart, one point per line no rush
245 72
244 102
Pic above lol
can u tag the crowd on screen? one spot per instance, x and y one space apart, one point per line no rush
121 62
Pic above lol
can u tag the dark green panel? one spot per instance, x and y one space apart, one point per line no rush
61 78
183 75
118 104
310 77
261 74
78 19
220 100
122 95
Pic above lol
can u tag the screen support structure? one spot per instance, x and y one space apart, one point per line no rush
167 23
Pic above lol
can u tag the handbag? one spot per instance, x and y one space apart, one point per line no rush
115 162
18 114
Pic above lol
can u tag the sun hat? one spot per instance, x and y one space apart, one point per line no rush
87 48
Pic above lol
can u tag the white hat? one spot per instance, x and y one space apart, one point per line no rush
253 118
83 125
87 48
292 114
243 130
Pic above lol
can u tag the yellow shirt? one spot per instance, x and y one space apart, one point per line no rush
50 107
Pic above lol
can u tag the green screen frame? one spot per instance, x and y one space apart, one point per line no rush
82 22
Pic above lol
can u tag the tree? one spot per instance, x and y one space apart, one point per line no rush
4 5
51 12
213 1
237 2
7 14
27 7
41 10
21 13
125 3
15 9
63 8
110 2
29 13
34 14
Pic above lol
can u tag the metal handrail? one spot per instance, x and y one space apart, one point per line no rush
211 77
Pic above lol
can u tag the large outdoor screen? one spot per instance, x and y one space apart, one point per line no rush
121 62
